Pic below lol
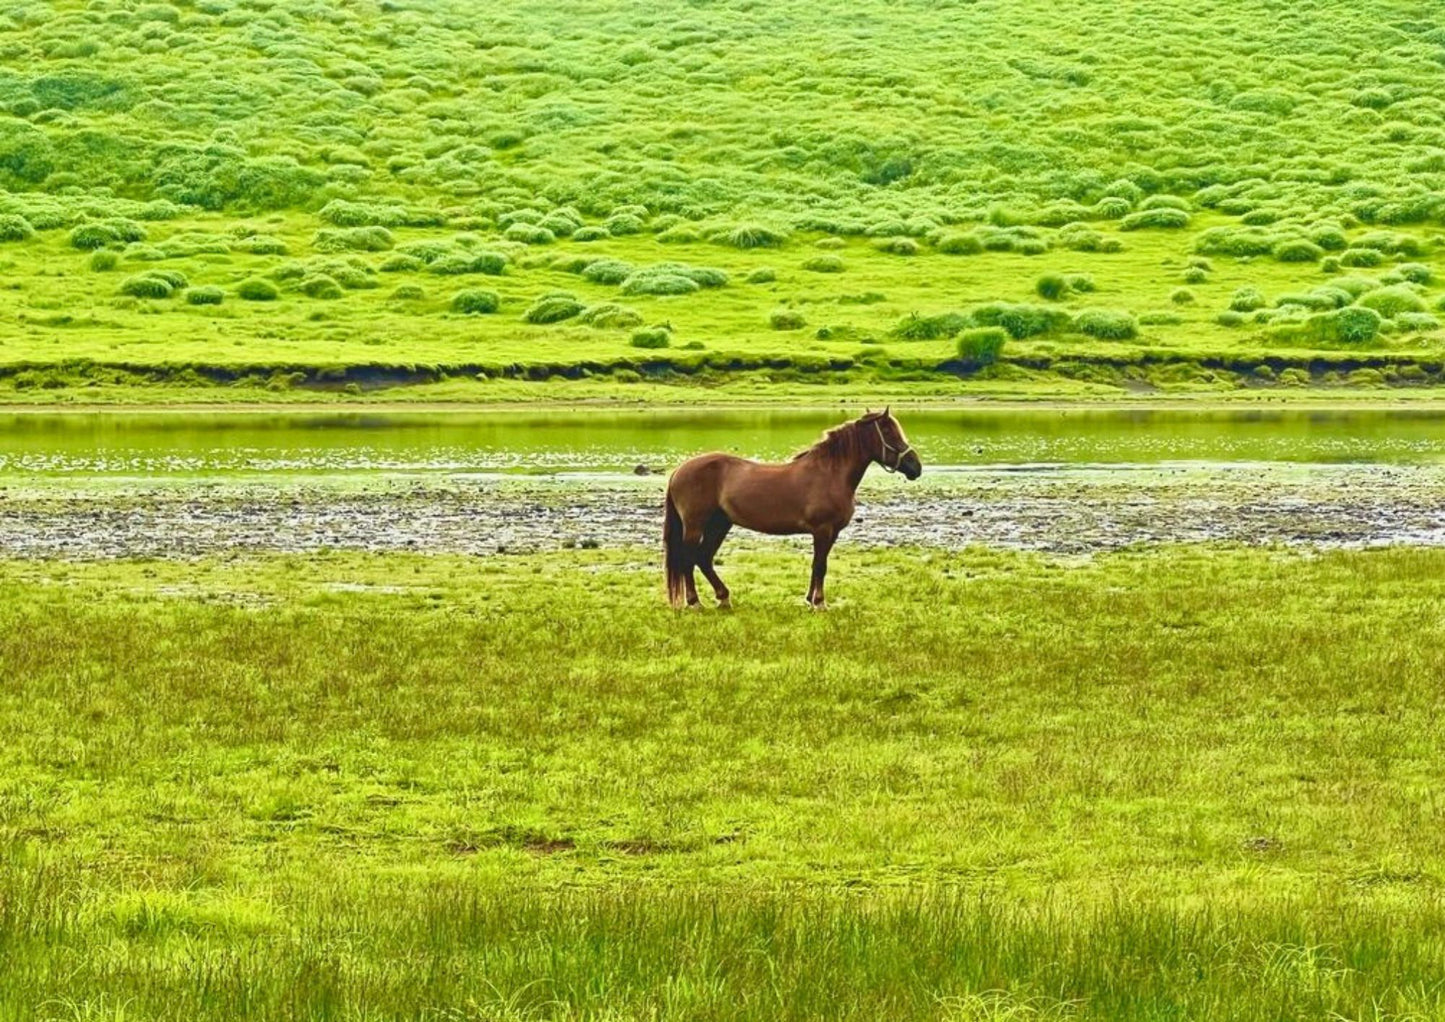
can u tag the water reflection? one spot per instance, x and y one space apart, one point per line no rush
188 443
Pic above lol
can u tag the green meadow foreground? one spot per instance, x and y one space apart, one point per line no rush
1188 782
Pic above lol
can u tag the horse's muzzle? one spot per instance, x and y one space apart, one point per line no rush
910 466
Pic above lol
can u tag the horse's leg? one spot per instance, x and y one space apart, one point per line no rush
713 534
822 543
692 551
689 584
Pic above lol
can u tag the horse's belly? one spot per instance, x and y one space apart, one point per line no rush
760 515
775 512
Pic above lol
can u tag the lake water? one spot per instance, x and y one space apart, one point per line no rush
1060 480
133 445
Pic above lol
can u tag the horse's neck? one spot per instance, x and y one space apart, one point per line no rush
856 469
851 463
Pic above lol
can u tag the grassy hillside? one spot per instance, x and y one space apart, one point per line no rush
1152 194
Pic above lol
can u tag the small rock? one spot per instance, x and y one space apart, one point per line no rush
1262 844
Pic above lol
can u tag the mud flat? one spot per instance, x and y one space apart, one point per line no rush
1062 509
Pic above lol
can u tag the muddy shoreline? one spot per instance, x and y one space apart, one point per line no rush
1076 510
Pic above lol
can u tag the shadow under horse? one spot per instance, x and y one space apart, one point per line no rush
813 493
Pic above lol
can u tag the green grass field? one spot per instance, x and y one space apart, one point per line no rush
240 198
1174 782
1185 782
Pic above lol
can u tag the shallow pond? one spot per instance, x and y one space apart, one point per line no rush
145 444
1067 481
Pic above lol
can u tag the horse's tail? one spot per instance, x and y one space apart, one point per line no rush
674 553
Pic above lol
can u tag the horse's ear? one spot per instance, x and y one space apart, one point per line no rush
886 409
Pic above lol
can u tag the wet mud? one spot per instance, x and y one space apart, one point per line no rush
1073 509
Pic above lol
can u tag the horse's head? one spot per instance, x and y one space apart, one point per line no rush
890 447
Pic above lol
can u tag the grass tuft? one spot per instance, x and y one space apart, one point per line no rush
611 316
255 289
928 328
660 280
1247 299
1158 218
477 301
14 227
903 246
754 235
607 271
553 309
320 285
960 243
786 319
1298 250
1391 301
981 346
1107 324
353 239
651 337
1052 286
147 285
209 294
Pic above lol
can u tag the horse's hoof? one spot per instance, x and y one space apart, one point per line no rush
725 603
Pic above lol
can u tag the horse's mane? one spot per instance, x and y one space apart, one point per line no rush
838 443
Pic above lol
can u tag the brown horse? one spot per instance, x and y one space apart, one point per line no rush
813 493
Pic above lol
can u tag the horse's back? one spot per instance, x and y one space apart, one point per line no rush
703 475
762 496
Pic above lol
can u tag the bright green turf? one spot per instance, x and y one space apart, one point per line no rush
206 124
1187 782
